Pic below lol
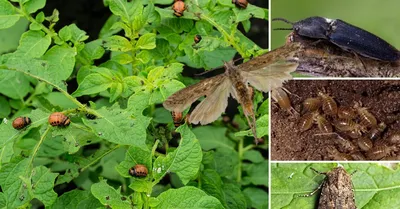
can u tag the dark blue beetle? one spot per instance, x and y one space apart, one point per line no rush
346 36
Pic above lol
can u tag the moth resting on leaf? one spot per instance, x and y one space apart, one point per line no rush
264 73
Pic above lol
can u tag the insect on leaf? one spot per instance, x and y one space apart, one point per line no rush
266 72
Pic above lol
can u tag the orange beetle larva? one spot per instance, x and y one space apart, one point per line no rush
179 8
240 3
59 119
329 106
138 171
21 122
177 118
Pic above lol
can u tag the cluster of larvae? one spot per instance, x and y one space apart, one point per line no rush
358 134
55 119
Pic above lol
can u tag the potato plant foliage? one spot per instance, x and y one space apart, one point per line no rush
143 48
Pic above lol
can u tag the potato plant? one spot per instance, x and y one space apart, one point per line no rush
116 117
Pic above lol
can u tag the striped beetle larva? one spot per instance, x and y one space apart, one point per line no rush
380 151
348 125
357 156
364 143
334 154
366 118
311 104
323 124
376 132
329 106
346 113
307 120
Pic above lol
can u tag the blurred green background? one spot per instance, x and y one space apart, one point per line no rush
380 17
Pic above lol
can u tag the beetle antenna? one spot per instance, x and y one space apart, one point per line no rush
282 19
283 28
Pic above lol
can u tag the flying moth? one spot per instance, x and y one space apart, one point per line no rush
264 73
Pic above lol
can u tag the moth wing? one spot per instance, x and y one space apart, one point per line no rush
271 76
183 98
213 105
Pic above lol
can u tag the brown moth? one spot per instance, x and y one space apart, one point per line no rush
336 190
265 72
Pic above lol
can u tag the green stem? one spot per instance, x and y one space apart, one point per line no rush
35 150
33 20
240 155
249 147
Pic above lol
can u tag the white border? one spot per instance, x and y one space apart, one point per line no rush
269 110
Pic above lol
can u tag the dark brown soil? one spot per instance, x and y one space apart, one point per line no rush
382 98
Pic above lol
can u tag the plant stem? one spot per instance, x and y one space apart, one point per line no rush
240 156
34 152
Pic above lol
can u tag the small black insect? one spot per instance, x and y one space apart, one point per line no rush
346 36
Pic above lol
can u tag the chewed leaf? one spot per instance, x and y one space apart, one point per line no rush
184 161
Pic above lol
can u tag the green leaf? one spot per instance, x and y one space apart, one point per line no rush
92 51
375 186
42 185
254 156
65 33
77 35
147 41
107 30
5 108
76 199
122 8
61 62
33 44
187 197
14 84
40 17
118 43
257 173
34 5
9 38
233 196
12 186
8 15
258 197
184 161
118 126
135 155
93 83
107 195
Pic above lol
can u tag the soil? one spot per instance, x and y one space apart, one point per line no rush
382 98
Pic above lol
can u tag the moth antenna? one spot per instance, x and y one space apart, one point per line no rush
282 19
283 28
